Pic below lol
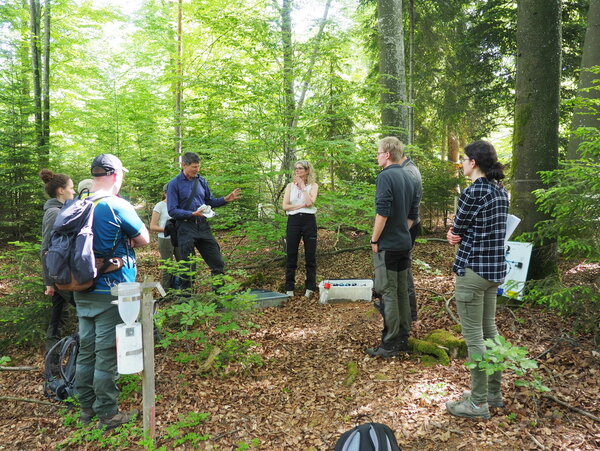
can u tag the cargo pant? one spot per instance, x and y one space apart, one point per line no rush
96 370
476 305
391 269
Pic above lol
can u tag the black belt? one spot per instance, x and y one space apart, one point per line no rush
194 219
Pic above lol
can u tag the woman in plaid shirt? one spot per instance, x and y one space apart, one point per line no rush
479 228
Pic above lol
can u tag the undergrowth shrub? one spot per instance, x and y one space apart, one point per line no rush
208 327
580 303
572 200
24 311
501 355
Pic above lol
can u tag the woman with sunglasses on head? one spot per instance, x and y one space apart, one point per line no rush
299 205
479 229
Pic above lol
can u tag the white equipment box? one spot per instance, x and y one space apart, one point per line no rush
517 258
345 290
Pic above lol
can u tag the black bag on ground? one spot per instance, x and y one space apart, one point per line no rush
59 368
368 437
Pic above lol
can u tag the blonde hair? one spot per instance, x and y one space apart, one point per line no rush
311 177
393 146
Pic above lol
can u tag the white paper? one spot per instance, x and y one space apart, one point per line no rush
511 224
207 211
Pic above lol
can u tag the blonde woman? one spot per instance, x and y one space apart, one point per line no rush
299 205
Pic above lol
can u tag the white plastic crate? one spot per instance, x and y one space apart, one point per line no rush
345 290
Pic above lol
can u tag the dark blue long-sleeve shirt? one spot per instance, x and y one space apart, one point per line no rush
179 191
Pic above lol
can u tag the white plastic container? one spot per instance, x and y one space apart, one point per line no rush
345 290
130 352
129 300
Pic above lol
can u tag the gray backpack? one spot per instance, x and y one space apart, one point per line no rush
368 437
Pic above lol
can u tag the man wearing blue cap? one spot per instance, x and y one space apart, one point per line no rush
117 230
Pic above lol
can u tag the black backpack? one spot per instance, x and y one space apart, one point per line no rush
368 437
59 368
70 258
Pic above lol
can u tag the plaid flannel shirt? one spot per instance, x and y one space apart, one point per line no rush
480 220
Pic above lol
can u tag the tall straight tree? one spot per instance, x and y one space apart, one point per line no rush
292 108
394 111
40 64
588 115
535 141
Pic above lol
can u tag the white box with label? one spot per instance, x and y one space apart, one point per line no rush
345 290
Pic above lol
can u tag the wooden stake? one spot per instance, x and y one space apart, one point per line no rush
148 393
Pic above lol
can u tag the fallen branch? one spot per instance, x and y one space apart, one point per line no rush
536 441
19 368
319 254
446 302
513 328
573 408
35 401
557 342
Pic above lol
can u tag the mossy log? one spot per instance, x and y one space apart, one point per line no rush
455 347
429 348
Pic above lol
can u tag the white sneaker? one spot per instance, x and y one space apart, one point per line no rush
290 293
307 293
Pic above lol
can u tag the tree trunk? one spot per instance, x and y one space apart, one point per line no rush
45 151
411 85
535 141
394 112
179 82
289 138
34 26
292 110
588 115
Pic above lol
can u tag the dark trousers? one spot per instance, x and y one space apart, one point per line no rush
58 317
196 234
391 281
415 230
301 226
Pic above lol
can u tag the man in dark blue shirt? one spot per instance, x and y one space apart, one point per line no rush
193 230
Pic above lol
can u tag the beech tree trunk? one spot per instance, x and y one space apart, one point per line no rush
588 115
34 26
45 150
535 141
394 111
179 83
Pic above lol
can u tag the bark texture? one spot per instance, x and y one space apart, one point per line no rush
394 111
588 115
535 141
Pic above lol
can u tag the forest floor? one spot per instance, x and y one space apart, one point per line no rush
302 398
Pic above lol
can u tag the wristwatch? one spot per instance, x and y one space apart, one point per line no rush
374 242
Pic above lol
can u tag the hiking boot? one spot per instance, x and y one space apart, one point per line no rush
290 293
117 419
86 415
494 400
466 409
308 293
381 352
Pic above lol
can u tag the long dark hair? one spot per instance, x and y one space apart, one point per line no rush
486 158
53 181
